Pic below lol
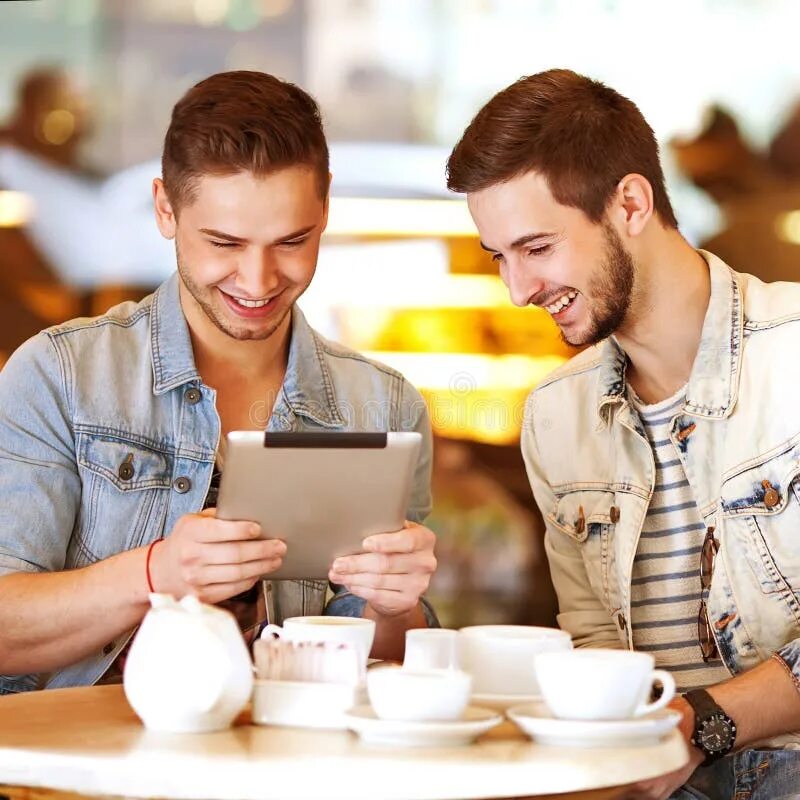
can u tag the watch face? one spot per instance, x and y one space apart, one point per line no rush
717 734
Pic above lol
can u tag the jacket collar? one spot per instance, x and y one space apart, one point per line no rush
714 380
307 386
170 343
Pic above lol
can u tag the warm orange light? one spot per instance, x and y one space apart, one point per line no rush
16 209
476 397
58 126
788 226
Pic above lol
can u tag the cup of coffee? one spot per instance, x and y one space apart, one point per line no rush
431 648
356 631
399 693
598 684
500 658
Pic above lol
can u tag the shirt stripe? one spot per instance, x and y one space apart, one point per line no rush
665 585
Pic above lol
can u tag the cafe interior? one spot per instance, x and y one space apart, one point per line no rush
86 90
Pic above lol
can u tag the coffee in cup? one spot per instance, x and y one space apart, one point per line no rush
355 631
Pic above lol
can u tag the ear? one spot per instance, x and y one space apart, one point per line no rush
633 203
165 216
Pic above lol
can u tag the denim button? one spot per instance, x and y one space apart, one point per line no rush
771 495
126 470
182 484
192 395
685 433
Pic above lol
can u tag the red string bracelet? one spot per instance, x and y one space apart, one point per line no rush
147 562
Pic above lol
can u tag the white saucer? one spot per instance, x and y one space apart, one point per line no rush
373 730
502 702
540 724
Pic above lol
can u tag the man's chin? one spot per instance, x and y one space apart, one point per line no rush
247 333
578 338
241 334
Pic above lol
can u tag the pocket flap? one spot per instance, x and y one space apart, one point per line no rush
128 465
576 511
764 487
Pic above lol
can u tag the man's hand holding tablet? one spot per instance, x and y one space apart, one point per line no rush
211 558
394 572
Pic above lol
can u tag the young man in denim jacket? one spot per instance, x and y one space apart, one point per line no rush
665 458
111 429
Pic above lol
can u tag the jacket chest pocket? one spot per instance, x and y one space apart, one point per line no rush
590 517
761 510
125 495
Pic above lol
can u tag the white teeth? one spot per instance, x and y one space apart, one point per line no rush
562 302
251 303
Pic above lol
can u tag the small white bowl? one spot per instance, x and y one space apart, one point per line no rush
304 704
420 695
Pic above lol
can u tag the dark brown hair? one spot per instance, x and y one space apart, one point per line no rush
582 136
237 121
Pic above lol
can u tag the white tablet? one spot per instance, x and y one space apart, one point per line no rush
322 493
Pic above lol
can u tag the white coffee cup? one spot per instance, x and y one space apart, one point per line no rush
356 631
431 648
500 658
601 684
399 693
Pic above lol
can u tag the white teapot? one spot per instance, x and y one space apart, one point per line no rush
188 669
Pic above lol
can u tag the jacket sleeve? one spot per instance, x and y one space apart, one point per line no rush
581 612
789 657
39 483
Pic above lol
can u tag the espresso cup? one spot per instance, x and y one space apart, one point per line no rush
500 658
598 684
399 693
356 631
430 648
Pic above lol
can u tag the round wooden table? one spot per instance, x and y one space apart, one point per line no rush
89 741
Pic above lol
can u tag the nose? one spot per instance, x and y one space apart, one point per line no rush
522 285
258 273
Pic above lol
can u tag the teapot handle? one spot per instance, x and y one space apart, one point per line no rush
270 631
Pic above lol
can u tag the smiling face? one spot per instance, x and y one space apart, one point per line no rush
247 248
553 256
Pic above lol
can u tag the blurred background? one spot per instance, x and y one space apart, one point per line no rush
86 90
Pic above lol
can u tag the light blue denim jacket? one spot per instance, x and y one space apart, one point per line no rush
738 435
78 399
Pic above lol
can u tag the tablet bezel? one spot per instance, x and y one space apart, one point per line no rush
362 480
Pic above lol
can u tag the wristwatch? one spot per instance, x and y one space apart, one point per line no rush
714 731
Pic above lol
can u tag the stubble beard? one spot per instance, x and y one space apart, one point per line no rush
202 298
611 290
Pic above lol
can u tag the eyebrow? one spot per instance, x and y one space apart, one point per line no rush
228 237
521 241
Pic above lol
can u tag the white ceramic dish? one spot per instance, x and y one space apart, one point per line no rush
501 658
455 733
398 693
304 705
620 686
536 720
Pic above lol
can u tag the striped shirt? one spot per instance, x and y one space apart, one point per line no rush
665 585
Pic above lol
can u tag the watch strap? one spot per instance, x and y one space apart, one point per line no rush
705 707
702 703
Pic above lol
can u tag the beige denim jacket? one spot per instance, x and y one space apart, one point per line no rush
738 434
